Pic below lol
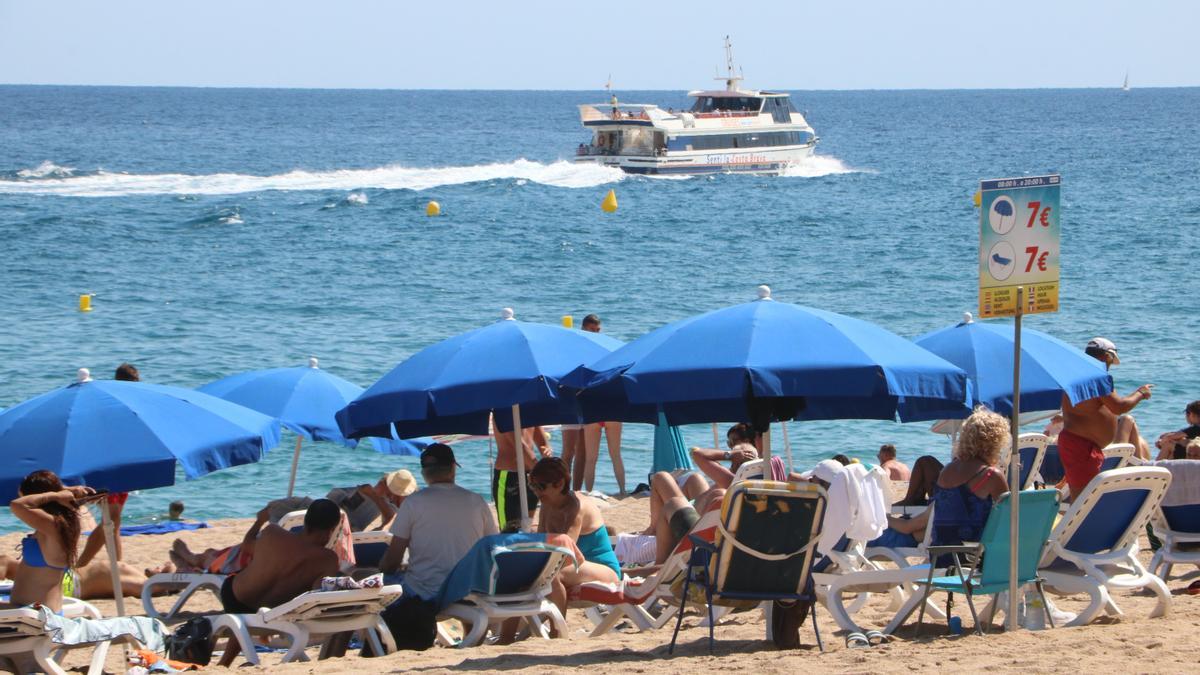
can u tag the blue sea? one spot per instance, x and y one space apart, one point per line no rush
229 230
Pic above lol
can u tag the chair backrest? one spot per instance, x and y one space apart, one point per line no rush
519 569
1184 518
752 470
768 536
293 521
1037 510
369 547
1116 456
1110 513
1031 448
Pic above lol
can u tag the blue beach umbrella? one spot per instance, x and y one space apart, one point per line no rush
1050 367
766 360
455 385
305 400
669 452
124 436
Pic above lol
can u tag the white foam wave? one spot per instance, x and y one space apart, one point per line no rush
46 169
558 174
357 198
816 166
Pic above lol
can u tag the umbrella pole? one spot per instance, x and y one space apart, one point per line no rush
295 464
110 544
1014 467
519 443
787 446
716 437
766 451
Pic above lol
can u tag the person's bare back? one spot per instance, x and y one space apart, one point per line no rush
284 566
1090 419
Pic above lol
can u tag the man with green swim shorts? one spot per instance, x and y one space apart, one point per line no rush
505 481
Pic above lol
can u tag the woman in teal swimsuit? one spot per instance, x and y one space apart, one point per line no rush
46 555
563 511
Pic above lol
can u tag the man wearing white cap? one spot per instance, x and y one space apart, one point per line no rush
1092 424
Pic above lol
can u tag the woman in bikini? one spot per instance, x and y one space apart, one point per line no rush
52 510
965 490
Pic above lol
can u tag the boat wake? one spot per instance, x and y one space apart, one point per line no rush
817 166
51 179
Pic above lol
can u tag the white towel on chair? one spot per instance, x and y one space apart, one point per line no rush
856 508
1185 481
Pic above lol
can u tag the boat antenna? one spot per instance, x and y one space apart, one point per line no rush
731 77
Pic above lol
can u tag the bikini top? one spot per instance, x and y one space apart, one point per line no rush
959 514
31 553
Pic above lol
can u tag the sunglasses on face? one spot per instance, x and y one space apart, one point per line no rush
537 486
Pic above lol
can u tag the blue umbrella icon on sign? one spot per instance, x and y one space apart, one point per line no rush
1003 207
1002 214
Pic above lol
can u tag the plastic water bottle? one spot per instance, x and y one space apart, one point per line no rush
1035 612
955 625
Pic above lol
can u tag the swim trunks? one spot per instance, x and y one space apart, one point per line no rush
1081 460
506 493
230 602
117 498
682 522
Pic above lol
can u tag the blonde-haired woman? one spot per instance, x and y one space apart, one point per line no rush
967 487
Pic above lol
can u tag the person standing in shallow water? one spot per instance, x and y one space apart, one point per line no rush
1092 424
584 469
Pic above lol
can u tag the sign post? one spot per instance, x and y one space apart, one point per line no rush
1019 239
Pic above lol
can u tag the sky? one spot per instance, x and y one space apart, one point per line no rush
515 44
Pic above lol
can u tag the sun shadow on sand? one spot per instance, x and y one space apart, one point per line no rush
611 657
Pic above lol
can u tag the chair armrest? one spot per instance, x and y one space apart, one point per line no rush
699 543
936 551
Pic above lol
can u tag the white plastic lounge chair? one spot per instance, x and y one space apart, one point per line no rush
752 470
1117 456
312 616
1177 524
523 574
23 638
293 521
1032 450
1094 546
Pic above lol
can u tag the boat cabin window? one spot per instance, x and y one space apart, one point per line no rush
630 141
710 104
780 108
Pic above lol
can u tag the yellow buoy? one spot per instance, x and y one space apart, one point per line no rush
610 202
85 302
978 198
433 209
568 321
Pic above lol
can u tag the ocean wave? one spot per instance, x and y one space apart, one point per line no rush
102 184
816 166
46 169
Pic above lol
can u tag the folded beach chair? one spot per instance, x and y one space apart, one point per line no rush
1093 548
26 639
983 568
763 551
1031 448
505 576
646 603
311 618
1177 521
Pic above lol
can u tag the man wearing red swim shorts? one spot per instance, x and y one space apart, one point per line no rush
1092 424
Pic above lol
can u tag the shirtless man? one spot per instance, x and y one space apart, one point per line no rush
505 485
895 469
283 565
1092 424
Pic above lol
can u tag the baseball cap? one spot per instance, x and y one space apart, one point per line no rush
400 482
1099 344
437 455
825 470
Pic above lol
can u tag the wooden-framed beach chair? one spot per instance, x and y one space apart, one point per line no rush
987 572
313 617
519 585
763 550
1093 548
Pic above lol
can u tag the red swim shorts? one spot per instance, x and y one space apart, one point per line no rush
118 498
1081 460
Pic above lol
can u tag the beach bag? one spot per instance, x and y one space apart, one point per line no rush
191 642
786 619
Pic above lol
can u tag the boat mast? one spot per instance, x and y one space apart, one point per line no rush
731 79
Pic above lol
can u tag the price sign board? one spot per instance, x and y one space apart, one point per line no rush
1018 244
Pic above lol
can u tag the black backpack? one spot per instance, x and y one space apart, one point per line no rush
191 642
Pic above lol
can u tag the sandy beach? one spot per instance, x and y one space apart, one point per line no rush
1139 643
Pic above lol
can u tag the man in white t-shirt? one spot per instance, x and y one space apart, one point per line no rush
436 526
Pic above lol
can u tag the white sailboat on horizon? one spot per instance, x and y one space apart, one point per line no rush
1125 85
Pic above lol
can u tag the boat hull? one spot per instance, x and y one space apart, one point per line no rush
755 161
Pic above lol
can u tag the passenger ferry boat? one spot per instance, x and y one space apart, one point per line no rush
726 130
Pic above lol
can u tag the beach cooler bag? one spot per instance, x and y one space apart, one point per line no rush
191 642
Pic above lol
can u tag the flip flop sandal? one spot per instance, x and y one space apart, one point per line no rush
875 638
1193 588
857 641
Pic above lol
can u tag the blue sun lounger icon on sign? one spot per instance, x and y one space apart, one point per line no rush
1000 260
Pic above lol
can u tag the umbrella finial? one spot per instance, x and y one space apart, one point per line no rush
84 375
312 362
967 318
764 292
506 314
